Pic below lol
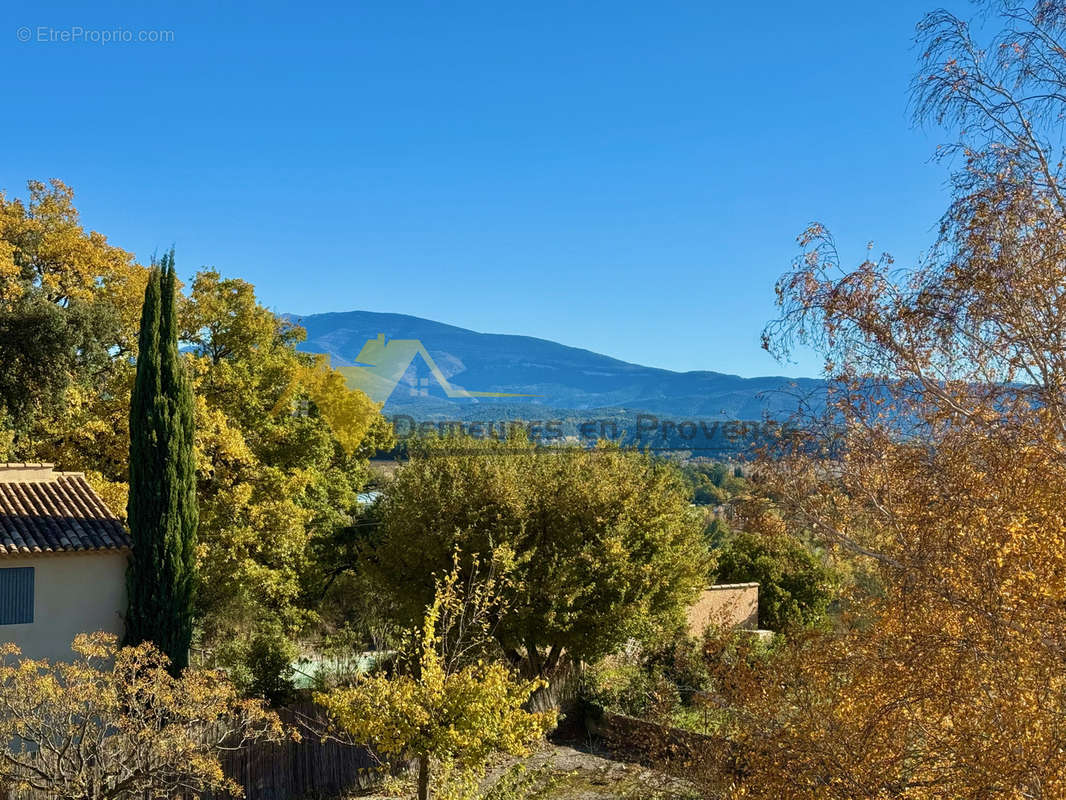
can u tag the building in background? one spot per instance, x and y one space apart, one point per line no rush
63 557
731 606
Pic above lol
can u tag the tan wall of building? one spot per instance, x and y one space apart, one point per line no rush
729 605
73 593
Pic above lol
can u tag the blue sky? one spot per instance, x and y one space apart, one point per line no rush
625 177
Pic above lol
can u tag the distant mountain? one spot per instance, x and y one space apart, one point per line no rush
448 376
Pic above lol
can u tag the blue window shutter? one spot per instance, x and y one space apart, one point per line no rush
16 595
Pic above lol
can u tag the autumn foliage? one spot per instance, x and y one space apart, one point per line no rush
451 703
281 442
113 724
937 472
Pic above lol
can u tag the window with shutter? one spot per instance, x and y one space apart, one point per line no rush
16 595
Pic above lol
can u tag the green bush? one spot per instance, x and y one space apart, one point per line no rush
712 483
626 687
796 586
264 668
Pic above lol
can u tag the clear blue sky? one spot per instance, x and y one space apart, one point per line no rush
620 176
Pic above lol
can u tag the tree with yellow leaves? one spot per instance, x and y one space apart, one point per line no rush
282 448
282 442
452 703
68 315
113 724
938 470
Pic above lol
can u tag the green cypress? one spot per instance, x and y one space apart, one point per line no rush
162 510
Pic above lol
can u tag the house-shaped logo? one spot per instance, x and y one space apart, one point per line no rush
381 365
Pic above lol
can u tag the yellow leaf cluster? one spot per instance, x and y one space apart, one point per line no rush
113 722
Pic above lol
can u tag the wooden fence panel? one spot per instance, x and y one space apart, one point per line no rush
310 768
307 769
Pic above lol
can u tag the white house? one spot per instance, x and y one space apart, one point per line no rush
63 558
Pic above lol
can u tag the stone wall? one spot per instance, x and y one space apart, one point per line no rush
694 756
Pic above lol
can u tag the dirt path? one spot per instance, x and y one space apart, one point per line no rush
574 772
587 775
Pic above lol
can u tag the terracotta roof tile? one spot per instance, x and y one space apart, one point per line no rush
58 514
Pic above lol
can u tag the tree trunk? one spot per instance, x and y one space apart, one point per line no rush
423 778
554 654
533 657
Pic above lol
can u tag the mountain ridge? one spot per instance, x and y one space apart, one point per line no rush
389 316
563 377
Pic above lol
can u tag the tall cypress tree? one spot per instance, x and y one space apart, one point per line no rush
163 514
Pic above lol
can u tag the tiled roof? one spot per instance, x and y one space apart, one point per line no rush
42 511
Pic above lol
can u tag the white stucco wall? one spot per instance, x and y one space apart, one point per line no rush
73 593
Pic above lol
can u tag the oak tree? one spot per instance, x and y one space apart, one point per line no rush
606 546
